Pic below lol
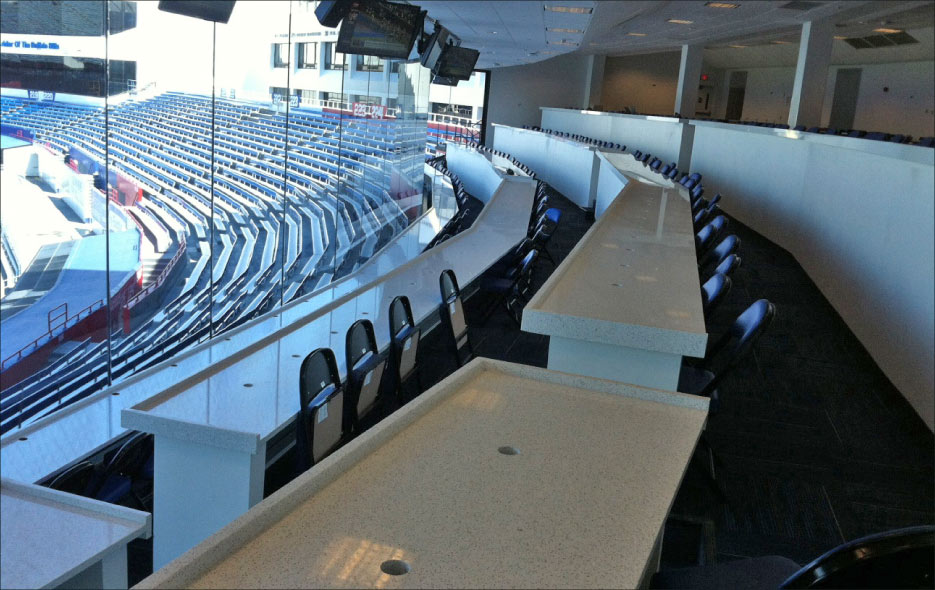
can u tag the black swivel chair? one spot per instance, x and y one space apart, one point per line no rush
364 373
901 558
404 344
453 318
318 425
79 479
122 470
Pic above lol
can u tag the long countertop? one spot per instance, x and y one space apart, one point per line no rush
632 280
581 504
48 536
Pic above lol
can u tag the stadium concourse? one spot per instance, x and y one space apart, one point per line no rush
358 176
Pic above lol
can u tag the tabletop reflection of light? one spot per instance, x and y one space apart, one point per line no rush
357 562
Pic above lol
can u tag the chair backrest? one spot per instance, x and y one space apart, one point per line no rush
364 372
77 479
404 338
724 248
452 314
128 459
714 291
903 558
728 265
727 351
707 236
714 200
697 191
321 408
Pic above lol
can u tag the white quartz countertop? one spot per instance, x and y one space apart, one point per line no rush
580 505
49 536
632 280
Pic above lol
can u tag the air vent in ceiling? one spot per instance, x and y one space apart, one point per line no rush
801 5
887 40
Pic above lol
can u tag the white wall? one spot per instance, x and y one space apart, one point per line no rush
659 136
908 107
569 166
646 82
861 222
517 93
478 175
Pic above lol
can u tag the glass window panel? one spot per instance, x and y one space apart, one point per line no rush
160 149
55 213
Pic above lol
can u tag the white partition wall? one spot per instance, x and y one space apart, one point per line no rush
660 136
480 179
859 221
569 166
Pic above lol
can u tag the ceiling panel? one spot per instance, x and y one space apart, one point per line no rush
511 33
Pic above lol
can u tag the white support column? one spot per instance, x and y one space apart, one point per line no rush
686 96
811 71
594 81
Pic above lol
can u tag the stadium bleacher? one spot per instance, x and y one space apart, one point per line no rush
335 210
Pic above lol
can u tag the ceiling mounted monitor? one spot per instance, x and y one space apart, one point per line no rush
457 62
382 29
434 47
218 11
442 81
330 12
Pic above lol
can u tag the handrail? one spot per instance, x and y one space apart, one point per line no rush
160 279
52 331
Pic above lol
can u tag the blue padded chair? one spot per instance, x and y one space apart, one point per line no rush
452 317
544 230
719 253
513 288
713 292
697 191
856 133
365 368
122 468
404 343
726 353
799 128
877 135
812 130
645 158
901 558
926 141
79 479
319 423
727 267
673 173
708 235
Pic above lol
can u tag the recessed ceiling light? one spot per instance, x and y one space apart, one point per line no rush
737 46
780 42
890 31
679 21
561 30
637 34
569 9
565 42
548 52
840 37
721 5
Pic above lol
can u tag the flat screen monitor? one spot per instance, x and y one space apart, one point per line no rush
443 81
218 11
434 47
380 28
457 62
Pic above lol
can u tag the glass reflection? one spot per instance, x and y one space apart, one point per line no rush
194 176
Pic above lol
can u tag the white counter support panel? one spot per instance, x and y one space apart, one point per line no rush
451 484
625 304
53 539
